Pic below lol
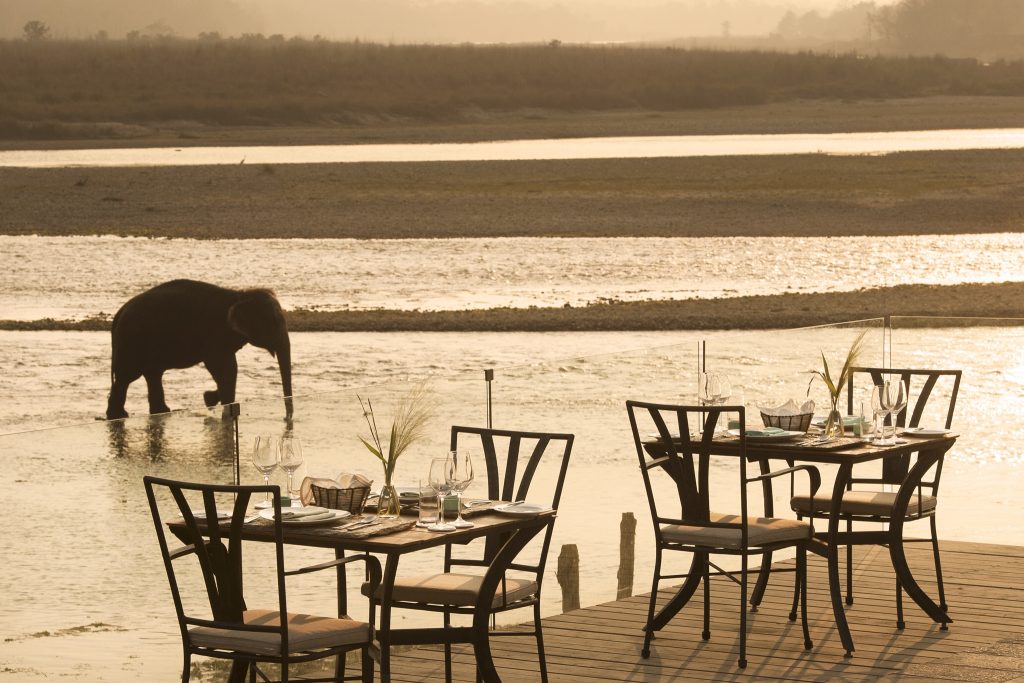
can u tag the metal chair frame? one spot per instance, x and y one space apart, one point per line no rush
508 481
895 470
222 571
687 463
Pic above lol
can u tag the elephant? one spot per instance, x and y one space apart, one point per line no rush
180 323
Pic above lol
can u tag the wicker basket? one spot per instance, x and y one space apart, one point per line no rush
793 423
351 500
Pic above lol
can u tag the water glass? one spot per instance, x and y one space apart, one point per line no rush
439 482
428 505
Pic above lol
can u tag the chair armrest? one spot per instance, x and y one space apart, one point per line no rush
372 567
812 473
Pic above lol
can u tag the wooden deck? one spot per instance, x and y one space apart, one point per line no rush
602 643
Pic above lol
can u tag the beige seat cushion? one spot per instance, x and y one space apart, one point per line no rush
457 590
760 531
869 503
305 632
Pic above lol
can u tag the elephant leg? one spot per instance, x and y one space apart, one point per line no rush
155 382
116 398
224 371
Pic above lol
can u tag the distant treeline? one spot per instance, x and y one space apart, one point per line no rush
49 89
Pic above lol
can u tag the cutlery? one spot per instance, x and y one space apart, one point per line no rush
512 505
363 522
251 518
471 503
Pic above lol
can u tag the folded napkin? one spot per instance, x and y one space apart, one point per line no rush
299 513
788 408
765 431
345 480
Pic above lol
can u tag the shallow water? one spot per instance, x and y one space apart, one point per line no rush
86 598
503 150
75 277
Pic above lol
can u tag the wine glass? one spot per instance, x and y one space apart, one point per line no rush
897 394
264 459
713 390
877 410
290 450
709 388
439 481
460 477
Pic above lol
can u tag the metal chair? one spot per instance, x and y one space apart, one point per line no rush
511 460
669 453
247 636
875 505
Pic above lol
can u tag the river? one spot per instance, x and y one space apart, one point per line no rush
509 150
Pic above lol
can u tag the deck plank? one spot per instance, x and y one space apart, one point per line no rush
602 643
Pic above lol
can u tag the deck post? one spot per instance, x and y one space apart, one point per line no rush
569 576
627 547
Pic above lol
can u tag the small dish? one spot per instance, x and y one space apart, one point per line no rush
201 514
922 432
521 509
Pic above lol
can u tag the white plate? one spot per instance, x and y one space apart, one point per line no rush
656 435
522 509
201 514
923 432
871 442
264 504
782 436
308 521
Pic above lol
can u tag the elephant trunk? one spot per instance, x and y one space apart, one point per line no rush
284 361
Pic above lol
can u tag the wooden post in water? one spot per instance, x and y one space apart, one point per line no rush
569 576
627 546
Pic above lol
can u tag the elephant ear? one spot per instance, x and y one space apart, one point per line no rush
257 316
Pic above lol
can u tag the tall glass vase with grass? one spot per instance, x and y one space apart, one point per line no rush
834 422
413 414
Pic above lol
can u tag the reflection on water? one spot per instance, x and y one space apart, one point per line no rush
504 150
74 277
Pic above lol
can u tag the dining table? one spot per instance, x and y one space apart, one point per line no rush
398 537
845 452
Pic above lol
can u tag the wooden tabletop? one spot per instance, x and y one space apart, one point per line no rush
853 452
400 542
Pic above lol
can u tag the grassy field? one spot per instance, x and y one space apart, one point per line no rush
111 89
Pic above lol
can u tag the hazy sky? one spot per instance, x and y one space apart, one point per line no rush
414 20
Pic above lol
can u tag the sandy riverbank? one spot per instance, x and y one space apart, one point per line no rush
798 116
987 301
797 195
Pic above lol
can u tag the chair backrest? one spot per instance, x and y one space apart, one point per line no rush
894 470
511 459
927 379
217 549
666 439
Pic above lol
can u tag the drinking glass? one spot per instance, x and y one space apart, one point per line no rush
428 505
878 430
709 388
439 468
290 450
460 477
713 389
897 394
264 458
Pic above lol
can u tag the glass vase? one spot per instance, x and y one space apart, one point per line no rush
389 505
834 428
